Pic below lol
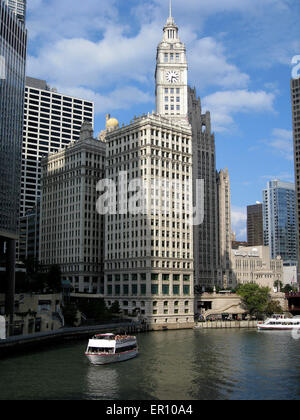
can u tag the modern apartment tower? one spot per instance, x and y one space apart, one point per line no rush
71 231
13 44
295 93
279 214
149 245
255 232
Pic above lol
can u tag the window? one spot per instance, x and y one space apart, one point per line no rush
143 289
165 289
154 289
186 290
176 289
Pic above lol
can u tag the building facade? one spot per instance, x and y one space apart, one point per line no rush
295 94
149 251
171 75
225 233
254 265
71 231
52 120
13 45
18 7
255 231
279 221
30 234
206 235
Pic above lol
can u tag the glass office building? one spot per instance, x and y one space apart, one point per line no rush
12 84
13 42
279 219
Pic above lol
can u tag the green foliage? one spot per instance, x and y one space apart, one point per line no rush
38 279
288 288
254 297
273 307
278 284
94 309
115 308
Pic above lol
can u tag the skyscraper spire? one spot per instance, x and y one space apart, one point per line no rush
170 20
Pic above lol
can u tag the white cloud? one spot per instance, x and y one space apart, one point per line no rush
282 143
122 98
223 105
55 19
239 222
114 60
210 67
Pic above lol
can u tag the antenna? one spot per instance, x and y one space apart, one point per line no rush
170 8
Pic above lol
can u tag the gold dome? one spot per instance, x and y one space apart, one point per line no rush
112 123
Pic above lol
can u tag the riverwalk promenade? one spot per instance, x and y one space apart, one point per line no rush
225 324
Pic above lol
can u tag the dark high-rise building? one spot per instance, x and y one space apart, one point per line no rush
206 235
295 92
255 231
13 42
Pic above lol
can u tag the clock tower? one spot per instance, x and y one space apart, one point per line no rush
171 74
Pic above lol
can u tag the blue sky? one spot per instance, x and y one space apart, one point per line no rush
239 54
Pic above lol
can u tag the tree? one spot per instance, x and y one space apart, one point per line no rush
93 309
288 288
254 298
53 279
278 285
115 308
273 307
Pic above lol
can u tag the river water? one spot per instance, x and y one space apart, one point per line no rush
172 365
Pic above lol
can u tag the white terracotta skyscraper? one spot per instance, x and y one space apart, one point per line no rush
171 74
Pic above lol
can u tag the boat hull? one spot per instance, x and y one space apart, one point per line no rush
105 359
278 328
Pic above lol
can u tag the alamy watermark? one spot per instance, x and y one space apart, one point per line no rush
2 68
296 68
152 197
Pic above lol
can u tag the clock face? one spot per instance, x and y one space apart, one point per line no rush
172 76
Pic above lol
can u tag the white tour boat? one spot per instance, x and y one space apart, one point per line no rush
110 348
279 323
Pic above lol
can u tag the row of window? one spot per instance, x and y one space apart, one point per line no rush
155 290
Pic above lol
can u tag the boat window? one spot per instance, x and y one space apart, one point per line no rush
100 349
126 348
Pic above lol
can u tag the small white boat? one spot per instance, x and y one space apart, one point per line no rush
111 348
279 323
